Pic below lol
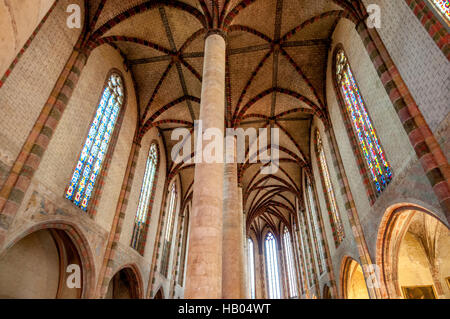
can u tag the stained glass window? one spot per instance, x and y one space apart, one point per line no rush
293 290
169 228
444 8
94 150
273 274
315 227
146 194
336 223
378 166
251 268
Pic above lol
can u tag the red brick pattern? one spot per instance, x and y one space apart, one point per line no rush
337 240
27 44
80 242
360 161
116 228
26 164
350 206
143 237
432 24
328 260
422 139
157 246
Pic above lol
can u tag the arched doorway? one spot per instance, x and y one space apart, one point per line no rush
37 267
413 253
124 285
353 282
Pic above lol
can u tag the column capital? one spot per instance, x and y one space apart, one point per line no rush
220 32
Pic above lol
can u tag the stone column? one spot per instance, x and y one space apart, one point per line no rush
204 266
233 245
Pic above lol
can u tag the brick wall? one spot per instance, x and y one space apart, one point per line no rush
18 20
30 83
128 223
409 184
421 63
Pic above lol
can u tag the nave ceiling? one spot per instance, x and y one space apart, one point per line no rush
277 52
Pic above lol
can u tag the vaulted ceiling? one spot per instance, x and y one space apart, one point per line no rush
276 61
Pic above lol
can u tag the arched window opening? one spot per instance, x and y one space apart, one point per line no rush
443 6
306 252
147 192
335 219
273 273
315 227
168 232
300 258
373 154
251 268
96 145
184 248
293 290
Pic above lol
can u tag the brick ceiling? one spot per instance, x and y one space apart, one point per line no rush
276 66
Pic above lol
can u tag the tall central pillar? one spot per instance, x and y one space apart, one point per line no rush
204 266
233 244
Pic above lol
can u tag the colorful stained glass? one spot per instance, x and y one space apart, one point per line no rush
378 166
94 150
146 193
336 223
444 7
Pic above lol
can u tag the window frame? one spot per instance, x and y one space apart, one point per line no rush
362 164
251 270
277 266
337 240
315 225
290 263
91 209
168 228
142 239
438 13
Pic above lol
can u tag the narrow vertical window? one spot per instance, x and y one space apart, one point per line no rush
373 154
251 269
306 252
293 290
335 220
298 246
273 274
315 227
147 192
184 248
96 145
169 229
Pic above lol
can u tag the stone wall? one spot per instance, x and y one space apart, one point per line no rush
409 184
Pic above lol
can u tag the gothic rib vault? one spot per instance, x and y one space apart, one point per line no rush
277 52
